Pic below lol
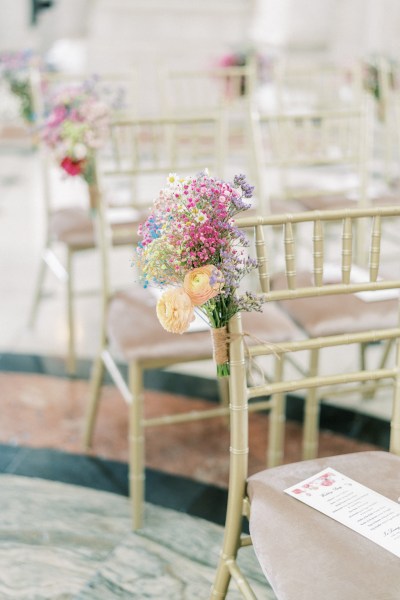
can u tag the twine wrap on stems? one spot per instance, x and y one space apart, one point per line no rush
219 337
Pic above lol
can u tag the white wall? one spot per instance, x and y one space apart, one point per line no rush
118 33
15 30
150 33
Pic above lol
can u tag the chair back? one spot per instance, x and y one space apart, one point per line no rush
194 91
311 153
316 86
143 151
384 84
316 222
133 167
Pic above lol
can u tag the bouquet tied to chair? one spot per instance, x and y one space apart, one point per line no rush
190 247
14 69
76 126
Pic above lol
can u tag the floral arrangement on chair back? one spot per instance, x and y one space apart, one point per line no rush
76 126
190 246
14 69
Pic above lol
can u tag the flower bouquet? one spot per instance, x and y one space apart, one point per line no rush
372 80
240 58
75 127
190 247
14 69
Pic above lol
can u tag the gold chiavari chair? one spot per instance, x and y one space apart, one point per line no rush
131 333
194 91
386 94
302 553
69 229
321 161
316 85
312 159
229 90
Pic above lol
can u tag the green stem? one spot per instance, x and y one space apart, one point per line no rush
223 370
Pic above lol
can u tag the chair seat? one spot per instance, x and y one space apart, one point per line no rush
320 316
306 555
337 202
74 227
135 333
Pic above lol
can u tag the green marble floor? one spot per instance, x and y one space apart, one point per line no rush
60 541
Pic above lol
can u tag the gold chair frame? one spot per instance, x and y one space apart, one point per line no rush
50 259
241 393
229 90
129 164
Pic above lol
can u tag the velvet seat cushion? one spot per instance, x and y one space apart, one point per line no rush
135 333
337 202
332 315
304 554
74 227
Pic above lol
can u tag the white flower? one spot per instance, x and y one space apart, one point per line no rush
172 178
79 151
200 217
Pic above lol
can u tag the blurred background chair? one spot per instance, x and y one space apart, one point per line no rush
278 523
314 159
130 330
382 79
320 160
317 160
316 85
68 223
229 90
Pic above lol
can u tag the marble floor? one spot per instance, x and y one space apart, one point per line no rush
60 541
64 516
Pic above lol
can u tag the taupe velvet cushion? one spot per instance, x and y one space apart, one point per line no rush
304 554
336 202
135 333
332 315
74 227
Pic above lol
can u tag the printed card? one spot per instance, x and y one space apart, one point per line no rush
358 507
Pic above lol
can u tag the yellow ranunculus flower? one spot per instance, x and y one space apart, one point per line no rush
175 310
197 284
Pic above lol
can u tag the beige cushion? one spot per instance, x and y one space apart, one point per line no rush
304 554
135 333
332 315
74 227
336 202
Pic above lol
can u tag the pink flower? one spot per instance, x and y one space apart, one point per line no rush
175 310
57 116
197 284
72 167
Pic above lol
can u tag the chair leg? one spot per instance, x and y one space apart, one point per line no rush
37 294
370 392
311 413
136 445
94 397
71 357
233 526
221 581
227 566
277 419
